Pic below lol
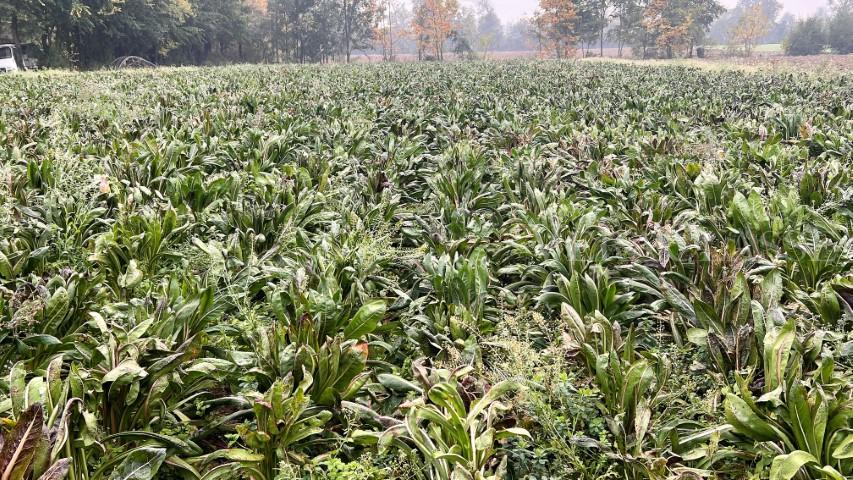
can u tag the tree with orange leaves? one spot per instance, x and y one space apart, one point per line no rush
677 24
556 26
433 24
670 31
258 6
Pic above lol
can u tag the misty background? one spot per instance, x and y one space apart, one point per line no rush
511 10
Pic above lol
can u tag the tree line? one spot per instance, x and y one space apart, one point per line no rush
831 31
755 22
670 28
91 33
653 28
88 33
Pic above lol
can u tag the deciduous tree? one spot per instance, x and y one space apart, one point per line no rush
751 26
556 27
358 24
433 24
489 27
392 25
668 24
675 25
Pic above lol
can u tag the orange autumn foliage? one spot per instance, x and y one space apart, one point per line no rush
555 21
259 6
433 23
657 18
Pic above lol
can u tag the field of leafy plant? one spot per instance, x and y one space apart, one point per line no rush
532 270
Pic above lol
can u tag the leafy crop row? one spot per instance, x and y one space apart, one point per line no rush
462 271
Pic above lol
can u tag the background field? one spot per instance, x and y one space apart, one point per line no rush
767 56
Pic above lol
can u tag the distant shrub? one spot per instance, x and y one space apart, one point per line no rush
807 38
841 32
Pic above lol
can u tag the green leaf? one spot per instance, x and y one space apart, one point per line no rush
777 350
512 432
746 421
784 467
17 388
234 455
126 371
678 301
142 464
165 440
54 382
6 270
397 384
697 336
771 289
56 308
132 277
364 437
844 450
182 464
831 473
485 440
365 320
497 391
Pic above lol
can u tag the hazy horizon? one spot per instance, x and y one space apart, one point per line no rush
511 10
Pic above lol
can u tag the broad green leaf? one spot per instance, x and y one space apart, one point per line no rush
497 391
17 388
142 464
513 432
746 421
366 319
844 450
397 384
234 455
132 277
126 370
784 467
777 350
697 336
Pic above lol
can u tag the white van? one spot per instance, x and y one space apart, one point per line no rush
8 58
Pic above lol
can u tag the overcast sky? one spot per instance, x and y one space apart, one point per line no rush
510 10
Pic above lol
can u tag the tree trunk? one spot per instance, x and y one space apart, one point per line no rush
16 39
390 34
620 39
347 30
